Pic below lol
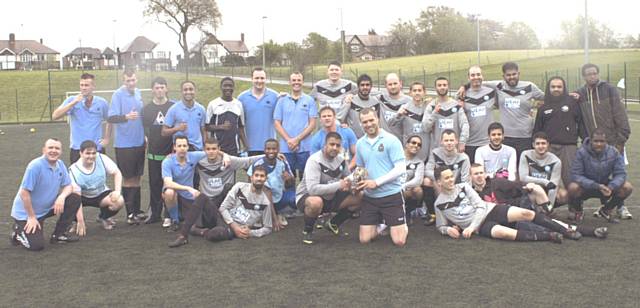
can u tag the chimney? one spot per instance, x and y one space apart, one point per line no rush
40 41
12 41
242 37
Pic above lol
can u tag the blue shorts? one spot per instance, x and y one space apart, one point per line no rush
288 200
298 160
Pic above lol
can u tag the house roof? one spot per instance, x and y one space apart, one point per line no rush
370 40
108 51
94 52
140 44
31 45
234 46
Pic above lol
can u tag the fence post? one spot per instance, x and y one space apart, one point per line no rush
378 78
50 111
449 71
424 77
625 85
17 109
608 74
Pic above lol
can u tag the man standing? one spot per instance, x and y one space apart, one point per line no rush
328 124
158 146
382 155
187 118
560 119
391 101
479 103
45 191
445 113
325 189
86 113
295 119
125 113
258 104
409 119
499 160
349 114
332 91
89 180
602 107
225 119
598 172
539 166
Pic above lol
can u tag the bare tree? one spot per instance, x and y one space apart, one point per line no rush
182 15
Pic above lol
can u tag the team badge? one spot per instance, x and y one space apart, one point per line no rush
486 97
455 166
547 168
381 147
565 108
522 92
454 109
343 90
412 166
256 207
461 195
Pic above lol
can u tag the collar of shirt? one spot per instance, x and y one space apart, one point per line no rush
45 162
380 135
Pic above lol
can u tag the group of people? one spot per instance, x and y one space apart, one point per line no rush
382 157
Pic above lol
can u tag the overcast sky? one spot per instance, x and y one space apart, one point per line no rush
63 23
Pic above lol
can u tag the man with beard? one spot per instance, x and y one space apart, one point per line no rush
326 189
445 113
479 103
258 104
381 154
158 146
187 118
598 172
217 176
328 124
349 114
225 119
390 103
499 160
539 166
528 196
333 90
45 191
601 107
409 119
560 119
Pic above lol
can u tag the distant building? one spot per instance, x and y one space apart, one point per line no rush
27 55
144 54
211 51
370 46
90 58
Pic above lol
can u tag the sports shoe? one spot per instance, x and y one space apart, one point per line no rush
64 238
596 213
111 220
14 236
572 234
175 226
179 241
72 227
105 224
132 219
141 216
331 227
624 213
606 214
320 221
546 209
576 216
555 237
293 214
430 220
307 238
166 223
283 220
601 232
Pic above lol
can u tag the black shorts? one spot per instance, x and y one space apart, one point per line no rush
130 161
389 208
519 144
95 201
328 206
470 150
497 216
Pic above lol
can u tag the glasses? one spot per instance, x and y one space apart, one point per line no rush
416 143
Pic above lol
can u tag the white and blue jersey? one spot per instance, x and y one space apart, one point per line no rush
91 183
128 134
258 115
86 122
195 119
379 158
275 181
182 174
44 183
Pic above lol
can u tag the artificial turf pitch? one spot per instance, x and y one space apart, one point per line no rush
132 266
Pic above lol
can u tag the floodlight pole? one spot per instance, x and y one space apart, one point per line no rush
342 36
586 34
264 59
478 35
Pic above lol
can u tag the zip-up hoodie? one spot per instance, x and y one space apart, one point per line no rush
590 169
601 107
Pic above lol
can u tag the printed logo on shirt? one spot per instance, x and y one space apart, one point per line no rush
565 108
334 103
548 111
381 147
479 111
214 182
445 124
417 128
512 103
159 119
388 115
240 214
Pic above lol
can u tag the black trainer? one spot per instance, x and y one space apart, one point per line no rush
601 232
64 238
331 227
572 235
606 214
179 241
307 238
556 237
430 220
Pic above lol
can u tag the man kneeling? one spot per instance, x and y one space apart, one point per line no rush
459 209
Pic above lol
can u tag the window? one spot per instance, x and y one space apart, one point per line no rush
355 48
26 57
160 55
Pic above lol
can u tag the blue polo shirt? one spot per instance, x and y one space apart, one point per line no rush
131 133
347 134
258 115
182 175
294 116
379 158
275 181
44 182
194 117
86 122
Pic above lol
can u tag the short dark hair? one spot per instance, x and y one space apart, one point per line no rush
87 76
540 135
440 78
474 165
181 137
257 69
413 136
88 144
227 78
588 66
509 66
449 131
363 77
212 141
270 140
416 83
437 172
158 80
260 168
332 135
187 81
367 110
598 131
129 72
495 125
336 63
326 108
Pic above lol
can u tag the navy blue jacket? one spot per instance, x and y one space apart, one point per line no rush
590 169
